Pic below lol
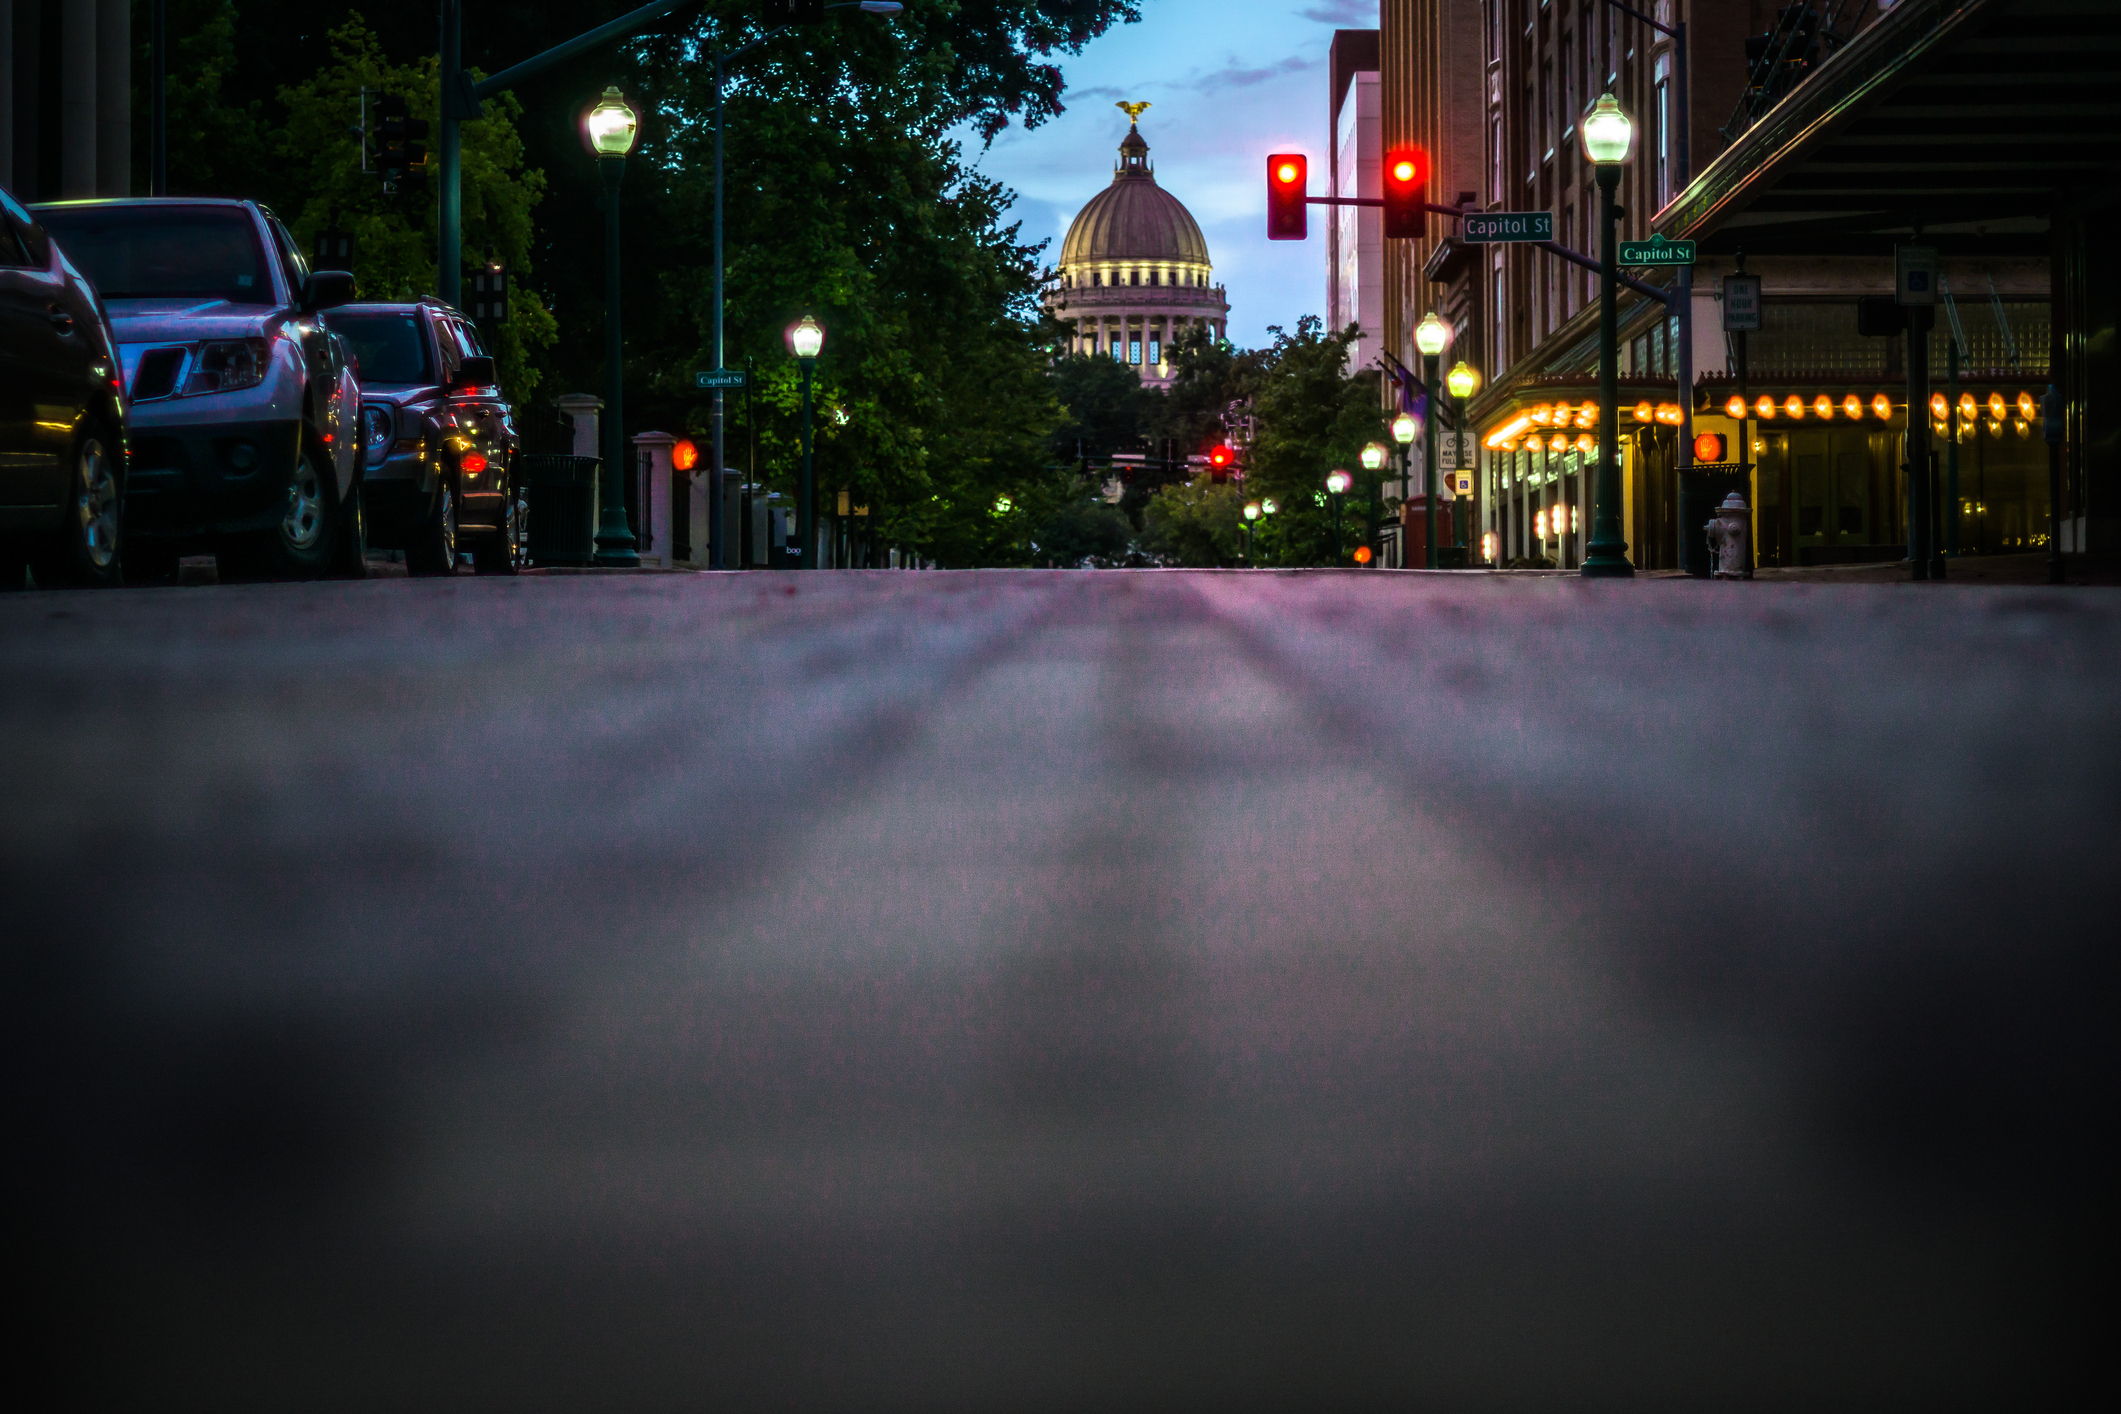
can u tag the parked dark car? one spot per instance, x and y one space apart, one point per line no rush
62 416
438 441
244 406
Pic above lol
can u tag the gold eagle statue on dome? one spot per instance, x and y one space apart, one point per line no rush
1133 111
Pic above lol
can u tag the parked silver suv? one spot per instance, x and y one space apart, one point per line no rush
245 407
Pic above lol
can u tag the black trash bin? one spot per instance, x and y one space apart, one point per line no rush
562 496
1702 489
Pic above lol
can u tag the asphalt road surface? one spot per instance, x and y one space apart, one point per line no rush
1062 991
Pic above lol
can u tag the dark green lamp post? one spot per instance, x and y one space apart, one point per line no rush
1430 337
805 337
1252 513
1373 462
1463 382
608 129
1608 136
1337 482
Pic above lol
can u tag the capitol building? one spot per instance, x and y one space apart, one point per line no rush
1134 272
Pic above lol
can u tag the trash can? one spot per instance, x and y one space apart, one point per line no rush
562 496
1701 490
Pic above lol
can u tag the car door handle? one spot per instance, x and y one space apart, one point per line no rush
61 320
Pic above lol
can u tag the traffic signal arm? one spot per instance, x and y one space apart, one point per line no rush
1379 201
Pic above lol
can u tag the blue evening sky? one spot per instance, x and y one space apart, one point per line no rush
1231 81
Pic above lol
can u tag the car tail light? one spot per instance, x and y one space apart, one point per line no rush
472 463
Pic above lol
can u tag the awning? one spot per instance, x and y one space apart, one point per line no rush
1974 119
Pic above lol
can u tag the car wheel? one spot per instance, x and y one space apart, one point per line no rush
350 559
302 545
509 549
87 550
433 547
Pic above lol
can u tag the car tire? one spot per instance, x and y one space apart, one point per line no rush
432 548
88 551
350 559
303 544
506 551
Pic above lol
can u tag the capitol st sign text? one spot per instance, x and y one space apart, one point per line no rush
1492 227
1657 251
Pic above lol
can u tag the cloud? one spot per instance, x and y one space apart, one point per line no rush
1344 14
1101 91
1245 78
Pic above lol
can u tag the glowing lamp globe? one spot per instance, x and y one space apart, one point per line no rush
805 337
1462 380
1269 506
1431 336
1251 510
1338 481
1608 135
1404 428
610 127
1373 456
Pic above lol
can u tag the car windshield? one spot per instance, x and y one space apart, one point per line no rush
387 346
164 252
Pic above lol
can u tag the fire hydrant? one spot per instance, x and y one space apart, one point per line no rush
1727 537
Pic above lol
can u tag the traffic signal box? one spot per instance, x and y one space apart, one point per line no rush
1220 459
1288 178
489 295
400 141
1406 194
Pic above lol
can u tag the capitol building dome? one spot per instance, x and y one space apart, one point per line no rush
1134 272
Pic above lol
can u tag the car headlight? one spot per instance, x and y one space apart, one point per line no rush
377 425
228 366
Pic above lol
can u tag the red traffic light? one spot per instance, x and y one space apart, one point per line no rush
1220 459
1406 191
1288 178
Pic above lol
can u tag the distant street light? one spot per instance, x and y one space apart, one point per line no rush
1373 462
1405 428
1463 383
1252 513
1338 481
608 131
1608 136
1430 337
716 534
805 338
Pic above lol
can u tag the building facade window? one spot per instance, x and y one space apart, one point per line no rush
1156 349
1663 106
1134 347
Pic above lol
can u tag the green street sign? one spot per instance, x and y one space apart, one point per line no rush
720 377
1657 251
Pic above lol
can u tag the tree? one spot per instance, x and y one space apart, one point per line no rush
1311 417
1197 524
319 156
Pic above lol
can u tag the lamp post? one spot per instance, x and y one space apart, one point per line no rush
805 337
1252 513
608 130
1430 337
716 534
1463 383
1373 462
1337 482
1405 428
1607 137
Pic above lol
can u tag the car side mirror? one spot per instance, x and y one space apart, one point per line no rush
474 372
328 289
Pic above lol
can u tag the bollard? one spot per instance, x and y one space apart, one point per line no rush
1727 537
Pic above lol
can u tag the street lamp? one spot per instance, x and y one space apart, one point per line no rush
1463 383
805 337
1338 481
1430 337
1607 137
608 131
1252 513
716 534
1405 428
1373 462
